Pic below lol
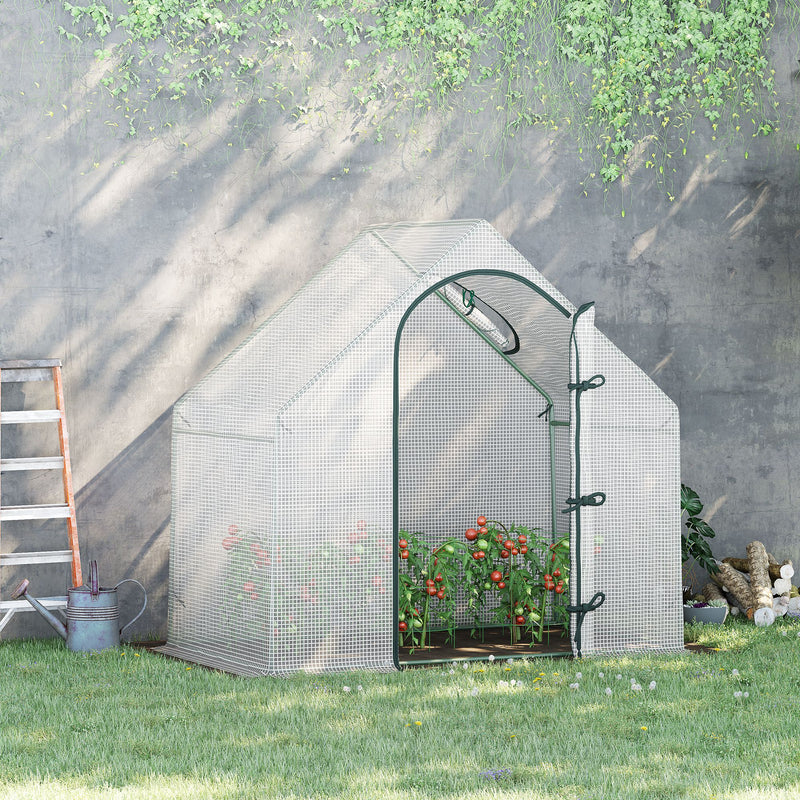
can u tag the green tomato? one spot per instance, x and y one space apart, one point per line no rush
482 544
448 548
487 585
519 610
417 623
402 617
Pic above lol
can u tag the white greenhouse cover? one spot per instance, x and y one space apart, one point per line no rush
372 401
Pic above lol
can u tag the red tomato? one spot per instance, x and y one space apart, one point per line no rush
559 589
508 544
377 580
522 538
481 521
402 544
471 534
430 582
403 626
501 584
504 554
476 556
483 531
514 551
520 620
496 576
404 554
440 594
439 577
556 573
523 549
480 554
248 586
548 578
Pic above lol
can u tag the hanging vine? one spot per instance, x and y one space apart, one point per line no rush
627 77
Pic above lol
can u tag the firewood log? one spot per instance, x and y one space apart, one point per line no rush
781 586
743 565
712 592
760 583
735 584
764 616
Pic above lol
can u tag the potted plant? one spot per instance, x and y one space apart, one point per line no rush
712 613
695 548
694 544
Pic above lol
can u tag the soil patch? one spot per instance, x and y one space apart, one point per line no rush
491 641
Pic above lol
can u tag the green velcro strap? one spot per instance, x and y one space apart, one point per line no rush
592 605
595 499
581 611
595 382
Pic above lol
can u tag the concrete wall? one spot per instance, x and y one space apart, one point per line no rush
142 261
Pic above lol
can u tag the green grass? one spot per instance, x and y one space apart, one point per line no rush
130 724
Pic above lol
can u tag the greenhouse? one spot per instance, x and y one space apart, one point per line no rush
427 375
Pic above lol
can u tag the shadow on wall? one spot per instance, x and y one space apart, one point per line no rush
143 262
129 501
123 523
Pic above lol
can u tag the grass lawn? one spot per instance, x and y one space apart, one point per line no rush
130 724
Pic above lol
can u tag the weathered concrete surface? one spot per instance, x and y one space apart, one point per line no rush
142 262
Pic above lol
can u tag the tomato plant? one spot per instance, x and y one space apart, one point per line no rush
512 564
429 580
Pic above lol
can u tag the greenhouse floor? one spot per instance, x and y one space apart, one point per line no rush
492 641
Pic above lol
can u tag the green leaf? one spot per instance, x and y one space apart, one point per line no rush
690 501
703 528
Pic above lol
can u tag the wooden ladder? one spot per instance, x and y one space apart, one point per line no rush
19 372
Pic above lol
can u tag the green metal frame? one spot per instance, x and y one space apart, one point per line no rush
396 413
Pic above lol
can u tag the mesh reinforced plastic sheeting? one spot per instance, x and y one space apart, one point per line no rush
420 379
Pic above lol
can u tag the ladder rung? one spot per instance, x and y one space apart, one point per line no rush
41 557
30 363
16 464
21 417
54 511
25 375
24 605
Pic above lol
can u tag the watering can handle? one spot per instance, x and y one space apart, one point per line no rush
141 610
94 581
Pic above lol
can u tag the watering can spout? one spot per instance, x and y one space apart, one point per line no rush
22 591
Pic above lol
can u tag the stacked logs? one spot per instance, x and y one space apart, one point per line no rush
758 586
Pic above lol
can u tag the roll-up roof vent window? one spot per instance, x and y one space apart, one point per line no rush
485 318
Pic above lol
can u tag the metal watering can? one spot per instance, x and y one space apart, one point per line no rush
92 614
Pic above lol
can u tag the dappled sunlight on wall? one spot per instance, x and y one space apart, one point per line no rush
141 261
